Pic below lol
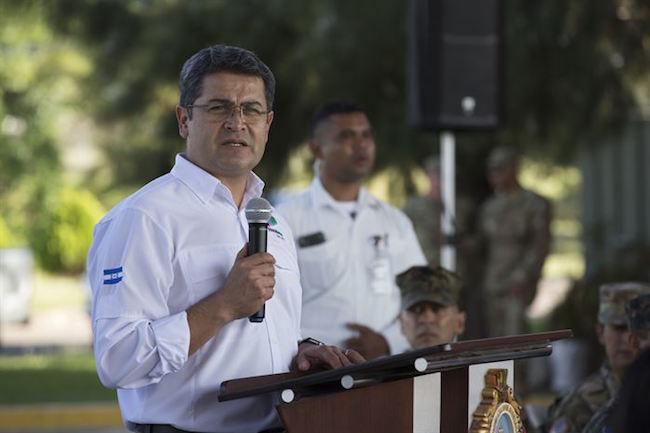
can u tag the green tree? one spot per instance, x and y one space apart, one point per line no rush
38 74
318 51
62 234
572 70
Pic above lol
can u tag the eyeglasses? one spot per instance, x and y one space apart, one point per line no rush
221 111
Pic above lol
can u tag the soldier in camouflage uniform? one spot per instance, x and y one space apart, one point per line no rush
515 228
426 214
638 318
573 412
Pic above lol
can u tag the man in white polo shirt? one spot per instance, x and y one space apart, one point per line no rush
172 284
350 244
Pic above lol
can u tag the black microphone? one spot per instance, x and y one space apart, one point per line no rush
258 214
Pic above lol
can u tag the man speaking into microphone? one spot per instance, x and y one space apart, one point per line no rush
173 281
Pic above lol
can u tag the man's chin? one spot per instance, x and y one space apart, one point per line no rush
428 341
624 359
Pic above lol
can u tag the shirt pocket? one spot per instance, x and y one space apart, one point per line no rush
288 292
282 253
321 267
206 267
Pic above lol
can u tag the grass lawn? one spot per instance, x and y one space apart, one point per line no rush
65 377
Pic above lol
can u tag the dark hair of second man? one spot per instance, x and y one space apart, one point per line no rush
331 108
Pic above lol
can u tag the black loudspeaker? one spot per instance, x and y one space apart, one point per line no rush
454 64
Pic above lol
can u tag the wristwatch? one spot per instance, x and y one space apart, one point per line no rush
311 340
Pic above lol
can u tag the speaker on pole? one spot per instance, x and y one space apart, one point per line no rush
454 64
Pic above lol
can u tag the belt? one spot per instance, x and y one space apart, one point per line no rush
166 428
157 428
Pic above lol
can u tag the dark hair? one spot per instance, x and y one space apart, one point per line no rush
331 108
630 413
222 58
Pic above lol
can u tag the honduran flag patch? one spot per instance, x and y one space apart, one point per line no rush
113 276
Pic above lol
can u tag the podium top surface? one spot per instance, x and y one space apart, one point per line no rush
437 358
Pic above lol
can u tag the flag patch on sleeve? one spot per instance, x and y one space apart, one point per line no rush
113 276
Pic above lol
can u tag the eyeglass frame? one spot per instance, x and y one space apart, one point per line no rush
233 107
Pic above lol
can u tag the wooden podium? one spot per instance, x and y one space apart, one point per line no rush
431 390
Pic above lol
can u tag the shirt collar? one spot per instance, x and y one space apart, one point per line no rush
320 196
205 185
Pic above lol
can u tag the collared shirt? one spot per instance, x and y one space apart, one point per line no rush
154 255
342 274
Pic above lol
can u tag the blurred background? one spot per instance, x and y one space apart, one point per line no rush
87 97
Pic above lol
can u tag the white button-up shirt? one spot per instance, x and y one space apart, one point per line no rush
344 273
155 254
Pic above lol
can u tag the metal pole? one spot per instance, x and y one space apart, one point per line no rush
448 169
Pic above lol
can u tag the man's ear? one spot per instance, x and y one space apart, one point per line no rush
460 323
315 148
633 340
600 329
401 321
182 119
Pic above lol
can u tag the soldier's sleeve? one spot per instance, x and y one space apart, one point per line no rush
570 414
539 244
598 422
481 237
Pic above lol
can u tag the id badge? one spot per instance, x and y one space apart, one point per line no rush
381 276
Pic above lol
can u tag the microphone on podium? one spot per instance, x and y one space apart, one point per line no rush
258 214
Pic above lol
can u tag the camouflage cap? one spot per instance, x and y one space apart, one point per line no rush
501 156
613 298
638 313
424 283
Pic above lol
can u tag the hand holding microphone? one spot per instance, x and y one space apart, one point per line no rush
251 280
258 214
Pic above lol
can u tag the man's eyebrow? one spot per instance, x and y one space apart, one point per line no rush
356 130
228 101
224 101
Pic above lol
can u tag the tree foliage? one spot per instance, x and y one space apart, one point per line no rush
30 71
573 71
64 230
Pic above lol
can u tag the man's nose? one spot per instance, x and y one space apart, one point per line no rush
362 141
235 120
427 315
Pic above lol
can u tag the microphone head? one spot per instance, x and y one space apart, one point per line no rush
258 210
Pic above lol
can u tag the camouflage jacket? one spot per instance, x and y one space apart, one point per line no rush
426 216
574 411
515 228
599 422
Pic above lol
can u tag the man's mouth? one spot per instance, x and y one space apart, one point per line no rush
361 159
427 334
235 143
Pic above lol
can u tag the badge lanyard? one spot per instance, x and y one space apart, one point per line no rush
379 268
